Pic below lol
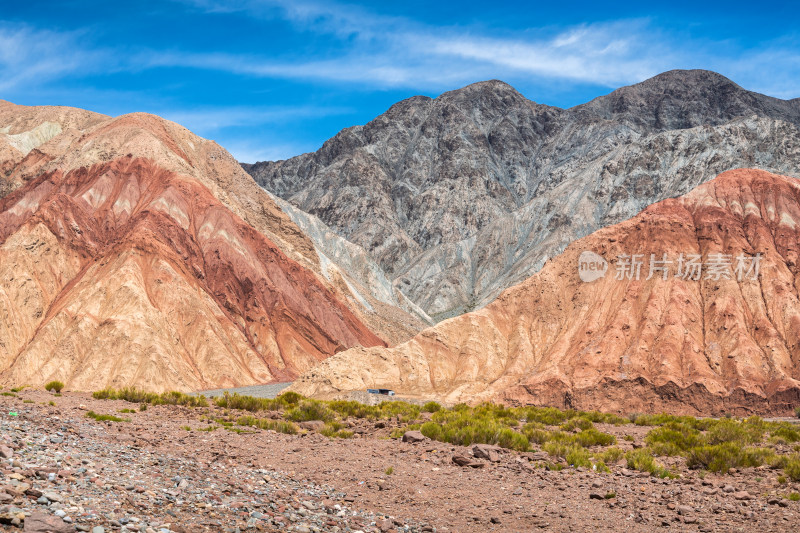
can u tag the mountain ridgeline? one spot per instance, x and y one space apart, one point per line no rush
462 196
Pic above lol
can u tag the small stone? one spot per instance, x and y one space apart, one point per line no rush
684 510
39 522
6 452
596 484
312 425
413 437
742 495
595 496
728 489
461 460
487 451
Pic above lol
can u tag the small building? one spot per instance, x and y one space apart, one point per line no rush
385 392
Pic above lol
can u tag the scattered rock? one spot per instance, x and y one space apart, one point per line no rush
462 460
39 522
413 437
312 425
487 451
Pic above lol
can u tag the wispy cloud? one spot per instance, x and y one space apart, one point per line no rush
391 52
208 120
378 51
30 55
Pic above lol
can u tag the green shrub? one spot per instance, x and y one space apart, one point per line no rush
533 433
335 429
431 407
727 455
792 468
797 412
133 395
281 426
289 398
741 433
310 410
787 432
104 418
247 403
6 393
610 455
18 389
404 411
54 386
486 424
673 438
577 423
642 460
389 471
795 497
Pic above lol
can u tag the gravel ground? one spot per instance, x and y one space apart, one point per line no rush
164 471
270 390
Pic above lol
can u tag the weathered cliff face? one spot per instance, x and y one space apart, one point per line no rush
460 197
133 252
695 346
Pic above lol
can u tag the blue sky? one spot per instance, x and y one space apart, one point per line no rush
271 79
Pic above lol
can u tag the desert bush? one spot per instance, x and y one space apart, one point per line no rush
673 438
787 432
405 411
484 424
610 455
247 403
281 426
792 468
742 433
104 418
310 410
289 398
54 386
797 412
580 422
727 455
549 416
534 433
431 407
133 395
335 429
642 460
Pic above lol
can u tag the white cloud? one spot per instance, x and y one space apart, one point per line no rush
208 120
29 55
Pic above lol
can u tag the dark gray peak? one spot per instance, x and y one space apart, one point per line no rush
460 196
681 99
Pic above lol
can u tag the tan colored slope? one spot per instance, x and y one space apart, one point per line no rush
89 138
125 273
686 346
133 252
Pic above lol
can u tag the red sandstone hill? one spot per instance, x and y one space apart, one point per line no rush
133 252
694 346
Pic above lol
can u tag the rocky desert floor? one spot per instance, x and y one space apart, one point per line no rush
162 470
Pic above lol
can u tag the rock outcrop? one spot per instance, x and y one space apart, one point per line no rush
724 342
462 196
134 253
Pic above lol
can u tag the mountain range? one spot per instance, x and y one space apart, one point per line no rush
462 196
715 342
435 250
